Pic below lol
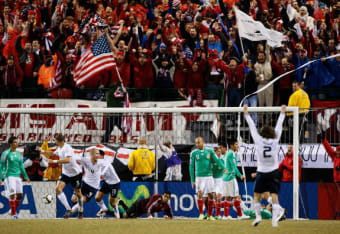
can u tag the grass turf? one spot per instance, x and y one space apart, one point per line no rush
160 226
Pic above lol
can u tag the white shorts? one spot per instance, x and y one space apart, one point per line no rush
218 183
230 188
13 185
205 185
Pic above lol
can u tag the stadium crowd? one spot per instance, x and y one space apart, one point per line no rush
166 44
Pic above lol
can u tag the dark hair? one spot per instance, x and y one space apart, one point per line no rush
296 82
167 143
12 139
267 132
101 152
60 138
231 142
167 192
216 148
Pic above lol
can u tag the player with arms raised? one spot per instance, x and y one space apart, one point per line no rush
11 169
267 177
200 169
71 173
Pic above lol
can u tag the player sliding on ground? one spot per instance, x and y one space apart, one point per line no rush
11 169
267 177
71 173
200 169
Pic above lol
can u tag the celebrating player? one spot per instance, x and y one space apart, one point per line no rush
11 169
217 173
267 177
201 175
231 191
153 204
71 173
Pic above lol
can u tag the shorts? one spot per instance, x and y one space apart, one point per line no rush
230 188
110 188
218 183
87 190
74 180
13 185
205 185
267 182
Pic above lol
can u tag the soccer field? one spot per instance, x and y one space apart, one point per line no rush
160 226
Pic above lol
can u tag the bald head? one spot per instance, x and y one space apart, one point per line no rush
199 142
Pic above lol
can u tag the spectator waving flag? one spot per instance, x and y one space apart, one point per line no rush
96 59
58 76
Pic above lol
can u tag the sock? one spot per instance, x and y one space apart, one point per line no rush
257 208
117 211
75 208
270 200
200 204
17 203
64 201
102 205
12 205
237 205
276 210
227 205
218 208
210 207
81 204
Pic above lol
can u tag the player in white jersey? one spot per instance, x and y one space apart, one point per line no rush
91 180
267 177
111 185
71 172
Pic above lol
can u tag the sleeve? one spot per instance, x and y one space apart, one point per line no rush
18 45
253 131
153 201
328 149
69 152
278 127
22 169
152 160
131 162
192 167
292 100
233 166
219 162
2 165
168 211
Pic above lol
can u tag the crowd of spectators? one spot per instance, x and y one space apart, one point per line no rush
162 44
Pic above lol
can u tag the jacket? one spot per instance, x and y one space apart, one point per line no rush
336 160
141 162
286 167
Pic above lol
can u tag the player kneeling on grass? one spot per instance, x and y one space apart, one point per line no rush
231 191
71 172
218 172
11 169
267 177
200 169
155 203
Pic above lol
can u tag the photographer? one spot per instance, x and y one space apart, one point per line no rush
34 164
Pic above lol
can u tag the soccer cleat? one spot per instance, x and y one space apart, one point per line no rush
80 215
218 217
283 217
280 215
101 214
15 216
256 222
211 218
228 218
67 214
243 217
201 217
274 223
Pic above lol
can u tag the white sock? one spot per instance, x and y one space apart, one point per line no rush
102 205
64 201
117 211
276 210
257 208
81 204
75 208
270 200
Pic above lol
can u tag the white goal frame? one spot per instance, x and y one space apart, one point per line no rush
295 111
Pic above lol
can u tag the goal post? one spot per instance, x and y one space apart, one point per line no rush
211 113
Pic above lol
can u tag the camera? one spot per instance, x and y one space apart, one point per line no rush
31 153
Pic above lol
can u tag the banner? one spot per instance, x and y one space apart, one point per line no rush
32 205
255 30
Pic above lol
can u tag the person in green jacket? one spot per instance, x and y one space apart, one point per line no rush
200 168
231 192
11 170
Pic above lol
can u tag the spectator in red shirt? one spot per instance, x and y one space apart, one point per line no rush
335 156
142 70
12 78
286 166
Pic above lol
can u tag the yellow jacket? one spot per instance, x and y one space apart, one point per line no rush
141 162
300 99
54 170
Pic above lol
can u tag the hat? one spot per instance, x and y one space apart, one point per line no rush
31 12
162 45
125 28
236 59
11 56
120 53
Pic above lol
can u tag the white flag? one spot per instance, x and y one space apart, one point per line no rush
255 30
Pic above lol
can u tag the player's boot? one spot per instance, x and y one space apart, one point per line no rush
80 215
211 218
274 223
256 222
228 218
218 217
67 214
101 214
280 215
201 217
15 216
243 217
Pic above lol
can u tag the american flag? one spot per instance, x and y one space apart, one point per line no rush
58 76
96 59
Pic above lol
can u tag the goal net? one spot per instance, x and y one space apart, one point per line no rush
119 127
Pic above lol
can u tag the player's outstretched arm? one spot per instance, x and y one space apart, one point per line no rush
48 153
65 160
253 131
192 169
328 149
23 171
278 127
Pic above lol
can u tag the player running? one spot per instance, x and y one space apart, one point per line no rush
11 169
150 205
231 191
217 173
200 169
267 177
71 173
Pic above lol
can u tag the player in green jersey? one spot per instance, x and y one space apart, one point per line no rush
200 169
11 170
218 172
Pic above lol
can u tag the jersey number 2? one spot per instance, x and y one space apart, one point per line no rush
267 149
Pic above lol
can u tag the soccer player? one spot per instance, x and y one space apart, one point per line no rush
231 191
200 169
91 180
217 173
71 173
267 177
11 169
150 205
